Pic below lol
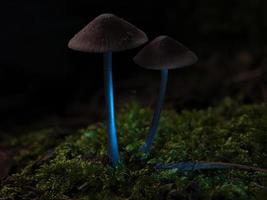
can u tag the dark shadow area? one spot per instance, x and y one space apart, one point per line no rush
41 78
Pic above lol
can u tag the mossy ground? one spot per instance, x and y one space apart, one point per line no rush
55 166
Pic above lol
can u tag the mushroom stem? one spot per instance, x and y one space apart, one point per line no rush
156 117
113 151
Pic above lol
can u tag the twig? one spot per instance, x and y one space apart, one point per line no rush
249 75
194 166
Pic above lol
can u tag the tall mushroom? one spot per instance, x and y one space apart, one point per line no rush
163 53
106 34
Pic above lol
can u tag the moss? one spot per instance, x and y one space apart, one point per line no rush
76 167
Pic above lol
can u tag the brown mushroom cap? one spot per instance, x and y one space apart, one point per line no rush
106 33
165 53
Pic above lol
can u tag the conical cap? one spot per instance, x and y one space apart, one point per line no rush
165 53
106 33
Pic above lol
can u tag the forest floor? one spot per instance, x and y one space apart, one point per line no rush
55 163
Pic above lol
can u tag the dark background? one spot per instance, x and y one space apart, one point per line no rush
40 78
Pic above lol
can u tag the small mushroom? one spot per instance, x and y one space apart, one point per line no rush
163 53
105 34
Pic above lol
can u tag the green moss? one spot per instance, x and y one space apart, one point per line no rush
76 167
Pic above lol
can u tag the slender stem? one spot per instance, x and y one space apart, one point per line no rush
113 151
155 122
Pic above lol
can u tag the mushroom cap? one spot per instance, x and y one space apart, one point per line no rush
165 53
107 32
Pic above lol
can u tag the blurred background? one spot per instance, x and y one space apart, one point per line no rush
41 79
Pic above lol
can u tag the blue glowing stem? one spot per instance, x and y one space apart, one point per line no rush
156 117
113 151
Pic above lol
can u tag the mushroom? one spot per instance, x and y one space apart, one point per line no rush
163 53
108 33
